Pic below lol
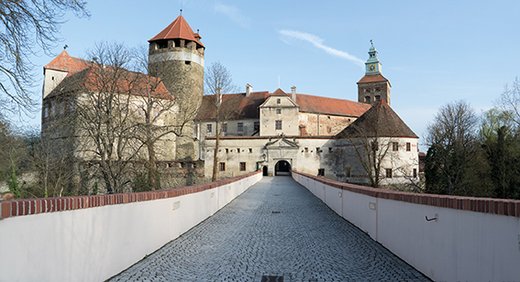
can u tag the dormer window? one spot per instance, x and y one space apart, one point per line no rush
278 101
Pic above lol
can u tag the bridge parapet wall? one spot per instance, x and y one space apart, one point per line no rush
92 238
448 238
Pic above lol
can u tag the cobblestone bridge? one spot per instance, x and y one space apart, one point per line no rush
276 228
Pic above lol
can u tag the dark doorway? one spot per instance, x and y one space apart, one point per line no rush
264 170
282 168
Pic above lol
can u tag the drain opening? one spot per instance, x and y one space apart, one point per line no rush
271 278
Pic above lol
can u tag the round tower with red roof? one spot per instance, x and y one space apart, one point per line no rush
176 55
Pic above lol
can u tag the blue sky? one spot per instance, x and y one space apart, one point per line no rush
433 52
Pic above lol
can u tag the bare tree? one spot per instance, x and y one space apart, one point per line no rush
107 121
25 24
453 147
218 80
161 119
510 102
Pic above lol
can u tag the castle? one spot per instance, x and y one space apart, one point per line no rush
361 142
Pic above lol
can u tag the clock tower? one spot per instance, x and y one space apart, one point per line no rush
373 87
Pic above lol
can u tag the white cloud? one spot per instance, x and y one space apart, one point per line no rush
318 43
233 13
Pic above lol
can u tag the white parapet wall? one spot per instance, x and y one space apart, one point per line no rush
94 244
446 238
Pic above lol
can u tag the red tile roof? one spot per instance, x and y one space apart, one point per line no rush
238 106
98 79
234 106
379 121
64 62
368 78
333 106
178 29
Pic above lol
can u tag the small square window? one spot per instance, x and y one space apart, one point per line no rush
318 150
240 127
250 150
224 127
278 101
408 147
222 166
330 149
256 125
306 150
321 172
278 111
395 146
242 166
209 127
367 99
388 173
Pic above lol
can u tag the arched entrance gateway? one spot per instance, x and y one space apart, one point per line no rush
282 168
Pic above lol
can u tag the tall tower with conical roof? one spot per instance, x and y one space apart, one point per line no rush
373 86
176 55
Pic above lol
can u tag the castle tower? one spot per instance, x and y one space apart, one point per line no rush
373 86
176 55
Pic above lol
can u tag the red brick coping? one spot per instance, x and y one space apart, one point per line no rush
46 205
484 205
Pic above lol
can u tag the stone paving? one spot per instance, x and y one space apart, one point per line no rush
276 228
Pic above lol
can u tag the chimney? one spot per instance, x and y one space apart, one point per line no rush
249 89
293 93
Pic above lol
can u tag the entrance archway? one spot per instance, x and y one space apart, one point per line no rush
282 168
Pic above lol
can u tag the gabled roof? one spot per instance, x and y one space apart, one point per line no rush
333 106
178 29
238 106
97 79
234 106
368 78
64 62
378 121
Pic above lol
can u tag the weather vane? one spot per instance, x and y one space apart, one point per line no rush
65 47
371 42
181 12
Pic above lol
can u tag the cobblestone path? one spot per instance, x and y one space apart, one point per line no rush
276 228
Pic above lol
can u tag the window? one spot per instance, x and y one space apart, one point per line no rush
227 150
250 150
222 166
330 149
278 101
306 150
321 172
378 97
278 125
348 171
329 129
242 166
240 127
367 99
209 127
278 111
388 173
46 111
256 126
162 44
408 147
187 62
414 173
238 150
224 127
318 150
395 146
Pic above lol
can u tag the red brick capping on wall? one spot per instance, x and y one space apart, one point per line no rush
46 205
484 205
